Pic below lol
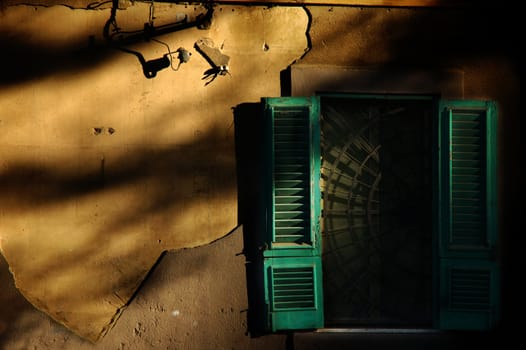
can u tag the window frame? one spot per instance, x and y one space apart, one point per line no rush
440 267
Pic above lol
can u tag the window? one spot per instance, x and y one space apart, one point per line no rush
377 206
384 204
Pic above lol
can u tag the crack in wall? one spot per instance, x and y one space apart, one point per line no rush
167 179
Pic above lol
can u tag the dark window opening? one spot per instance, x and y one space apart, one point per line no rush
377 211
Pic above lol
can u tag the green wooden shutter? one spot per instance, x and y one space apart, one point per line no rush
293 293
292 262
466 223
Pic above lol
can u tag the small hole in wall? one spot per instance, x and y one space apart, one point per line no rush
111 131
97 131
265 47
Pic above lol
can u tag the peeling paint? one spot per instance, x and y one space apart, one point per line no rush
107 168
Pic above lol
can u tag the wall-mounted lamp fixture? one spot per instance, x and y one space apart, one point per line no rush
151 67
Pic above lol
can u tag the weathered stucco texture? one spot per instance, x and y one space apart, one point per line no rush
103 169
187 302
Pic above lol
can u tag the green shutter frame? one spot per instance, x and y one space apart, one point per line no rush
292 261
468 295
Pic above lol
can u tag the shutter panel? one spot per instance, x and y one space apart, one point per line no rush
293 173
292 263
468 274
469 294
293 289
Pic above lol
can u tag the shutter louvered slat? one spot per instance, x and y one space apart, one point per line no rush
293 288
469 293
291 176
470 290
467 159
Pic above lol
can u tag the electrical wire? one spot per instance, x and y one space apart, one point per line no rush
170 53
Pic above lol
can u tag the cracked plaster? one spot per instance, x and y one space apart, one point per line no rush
85 215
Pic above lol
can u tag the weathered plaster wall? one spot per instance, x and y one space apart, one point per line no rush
166 177
188 302
103 169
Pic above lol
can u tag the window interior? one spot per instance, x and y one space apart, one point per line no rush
377 210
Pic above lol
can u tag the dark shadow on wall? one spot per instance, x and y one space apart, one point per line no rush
481 42
450 36
285 82
248 120
29 188
419 37
21 61
12 304
385 341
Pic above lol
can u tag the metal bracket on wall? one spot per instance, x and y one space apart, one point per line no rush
113 33
119 38
213 55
